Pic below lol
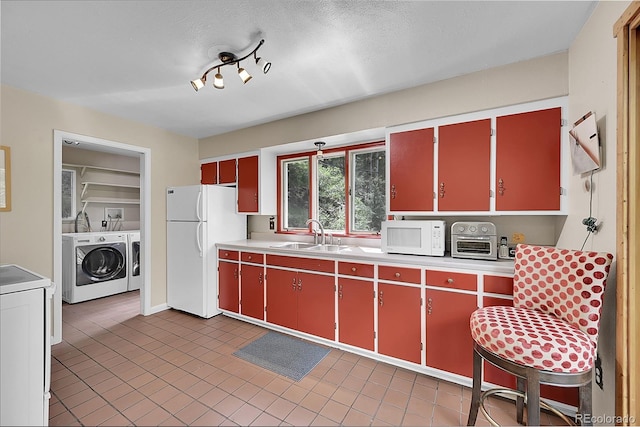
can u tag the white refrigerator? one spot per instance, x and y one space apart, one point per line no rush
198 217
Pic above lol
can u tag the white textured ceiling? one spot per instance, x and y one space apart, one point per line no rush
134 59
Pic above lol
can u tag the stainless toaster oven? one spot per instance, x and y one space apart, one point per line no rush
475 240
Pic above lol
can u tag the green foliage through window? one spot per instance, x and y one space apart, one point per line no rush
353 204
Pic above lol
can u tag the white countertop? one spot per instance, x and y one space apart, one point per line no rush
370 254
16 279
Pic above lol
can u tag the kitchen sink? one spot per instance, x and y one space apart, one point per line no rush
295 245
327 248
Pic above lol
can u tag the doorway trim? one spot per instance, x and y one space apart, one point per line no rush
113 147
627 32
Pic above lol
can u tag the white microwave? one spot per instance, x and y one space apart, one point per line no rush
413 237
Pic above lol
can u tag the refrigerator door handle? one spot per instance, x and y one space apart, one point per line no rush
198 241
199 207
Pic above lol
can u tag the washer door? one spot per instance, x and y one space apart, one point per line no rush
135 258
100 263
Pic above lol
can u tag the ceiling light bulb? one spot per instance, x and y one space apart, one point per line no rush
319 144
244 75
198 84
264 65
218 82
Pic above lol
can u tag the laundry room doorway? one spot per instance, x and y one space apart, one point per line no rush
101 189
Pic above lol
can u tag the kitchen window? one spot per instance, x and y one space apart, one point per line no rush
344 189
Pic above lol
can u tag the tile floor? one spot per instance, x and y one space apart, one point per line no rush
116 367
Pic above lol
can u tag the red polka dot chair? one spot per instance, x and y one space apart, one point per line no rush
549 336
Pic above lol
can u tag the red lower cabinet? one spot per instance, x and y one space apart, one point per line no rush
252 291
282 299
399 322
316 305
449 342
301 301
228 286
355 313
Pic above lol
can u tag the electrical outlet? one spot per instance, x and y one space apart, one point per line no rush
272 223
598 372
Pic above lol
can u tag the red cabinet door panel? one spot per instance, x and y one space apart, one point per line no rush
311 264
411 170
248 184
464 147
355 313
399 274
446 279
282 297
498 284
528 161
449 342
399 317
228 286
227 171
316 305
252 291
227 254
355 269
209 173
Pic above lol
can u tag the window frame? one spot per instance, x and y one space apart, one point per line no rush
73 194
348 152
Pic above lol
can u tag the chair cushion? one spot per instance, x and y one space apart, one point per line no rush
534 339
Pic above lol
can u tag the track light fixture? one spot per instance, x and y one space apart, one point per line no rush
228 58
319 144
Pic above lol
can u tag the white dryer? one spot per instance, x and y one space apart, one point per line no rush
94 265
135 279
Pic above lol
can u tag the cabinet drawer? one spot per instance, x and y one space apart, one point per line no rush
489 301
311 264
446 279
252 257
498 285
399 274
227 254
355 269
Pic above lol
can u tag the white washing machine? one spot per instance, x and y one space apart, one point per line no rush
94 265
133 249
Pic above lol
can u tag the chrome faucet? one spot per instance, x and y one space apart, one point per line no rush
310 220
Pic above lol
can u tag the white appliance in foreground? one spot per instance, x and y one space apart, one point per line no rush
25 347
198 217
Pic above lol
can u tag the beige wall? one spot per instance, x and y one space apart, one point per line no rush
28 122
541 78
592 87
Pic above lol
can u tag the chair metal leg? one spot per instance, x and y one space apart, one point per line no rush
585 408
533 397
520 401
477 389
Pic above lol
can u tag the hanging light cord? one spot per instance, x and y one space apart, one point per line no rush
589 229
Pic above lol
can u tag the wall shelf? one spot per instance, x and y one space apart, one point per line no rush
83 169
86 184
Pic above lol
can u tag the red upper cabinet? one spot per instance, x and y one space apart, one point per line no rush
227 171
410 184
464 166
209 173
248 184
528 161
